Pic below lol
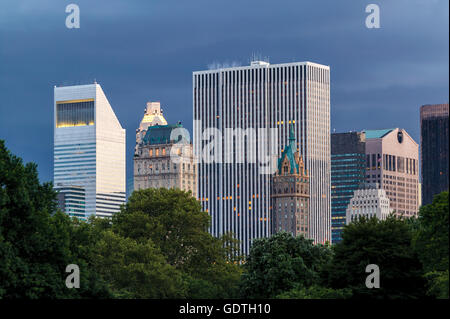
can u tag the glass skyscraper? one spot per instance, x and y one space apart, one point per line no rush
268 97
434 150
348 173
89 152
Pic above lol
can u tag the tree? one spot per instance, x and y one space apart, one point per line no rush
281 263
386 243
315 292
174 222
136 270
36 242
431 241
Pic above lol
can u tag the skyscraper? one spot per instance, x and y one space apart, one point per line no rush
265 98
434 150
392 161
89 150
348 172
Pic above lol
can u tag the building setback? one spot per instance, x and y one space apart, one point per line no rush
348 172
392 161
369 201
290 193
238 195
89 151
434 150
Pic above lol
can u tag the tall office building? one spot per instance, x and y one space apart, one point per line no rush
72 201
290 197
434 150
89 150
348 172
392 161
269 97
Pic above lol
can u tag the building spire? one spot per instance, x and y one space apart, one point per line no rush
292 136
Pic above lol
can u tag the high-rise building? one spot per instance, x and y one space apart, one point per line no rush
72 201
261 98
164 156
392 161
434 150
89 149
348 172
290 193
368 201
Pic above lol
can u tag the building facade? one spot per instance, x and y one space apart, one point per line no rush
72 201
164 156
434 150
368 201
89 149
348 172
265 98
290 193
392 161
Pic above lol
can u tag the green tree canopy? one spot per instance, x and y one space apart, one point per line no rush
280 263
431 241
386 243
36 244
175 223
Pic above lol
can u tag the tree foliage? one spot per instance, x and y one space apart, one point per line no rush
431 241
316 292
173 220
280 263
386 243
36 242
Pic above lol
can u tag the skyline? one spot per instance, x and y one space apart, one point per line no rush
380 78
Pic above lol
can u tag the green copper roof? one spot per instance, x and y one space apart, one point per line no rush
289 152
160 134
377 133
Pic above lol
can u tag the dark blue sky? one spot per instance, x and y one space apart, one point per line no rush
146 50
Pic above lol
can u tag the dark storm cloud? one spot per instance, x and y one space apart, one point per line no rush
146 50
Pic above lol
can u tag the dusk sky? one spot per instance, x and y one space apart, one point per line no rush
141 51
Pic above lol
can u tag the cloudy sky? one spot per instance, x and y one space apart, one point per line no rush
146 50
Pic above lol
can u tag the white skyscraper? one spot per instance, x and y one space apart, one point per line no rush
237 196
89 150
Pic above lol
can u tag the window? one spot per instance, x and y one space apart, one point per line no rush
71 113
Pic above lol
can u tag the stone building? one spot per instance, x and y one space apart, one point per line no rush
153 115
164 156
290 193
